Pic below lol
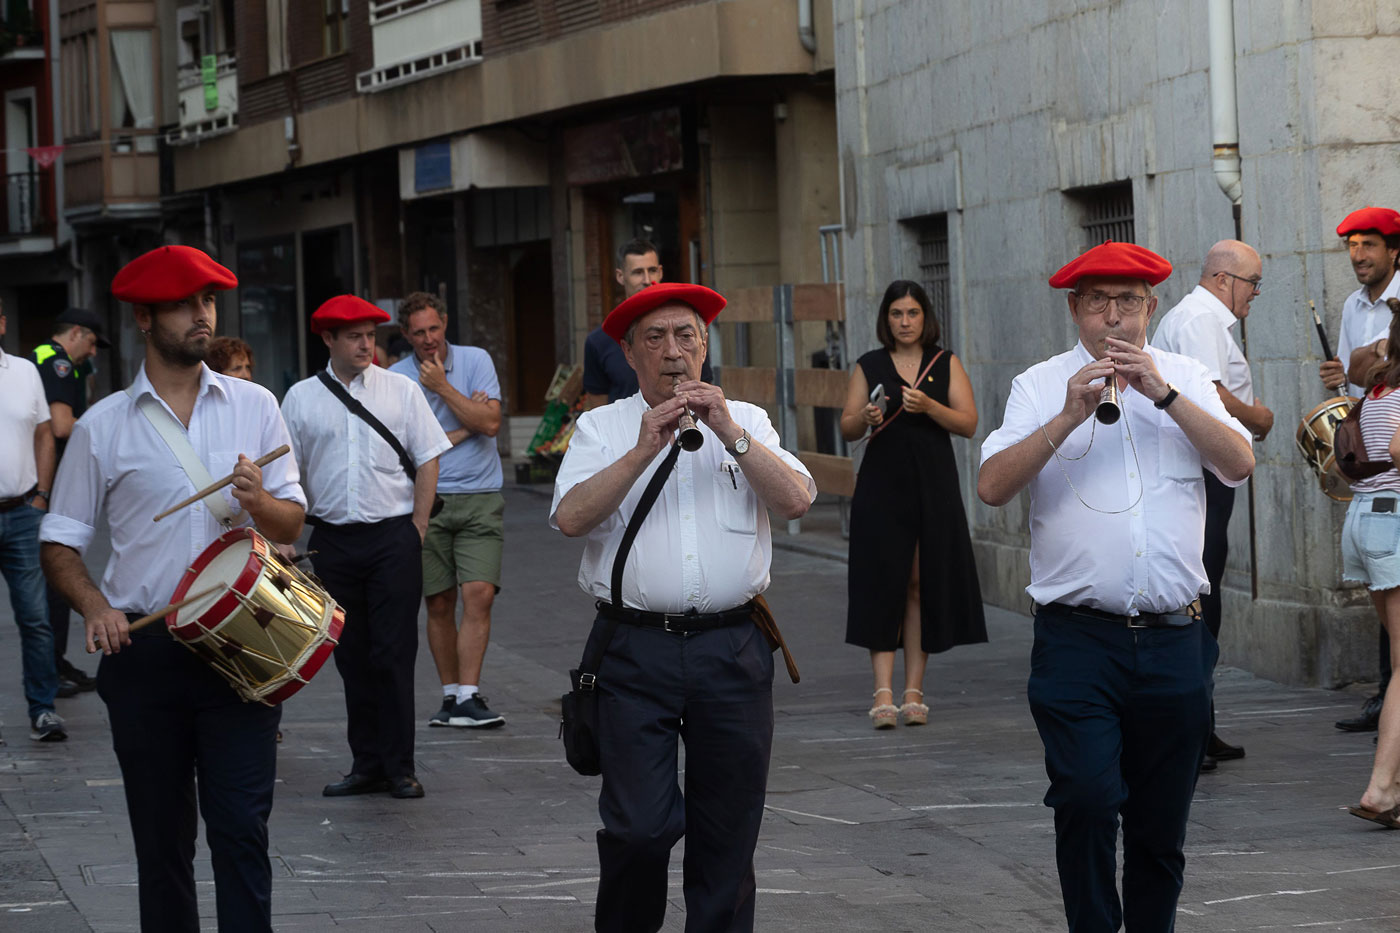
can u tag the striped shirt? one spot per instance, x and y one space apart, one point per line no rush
1380 419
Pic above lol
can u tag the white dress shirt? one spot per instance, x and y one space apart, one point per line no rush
1364 321
1200 326
23 407
1144 559
117 464
705 543
352 475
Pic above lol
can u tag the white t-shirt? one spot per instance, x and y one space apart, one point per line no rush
23 408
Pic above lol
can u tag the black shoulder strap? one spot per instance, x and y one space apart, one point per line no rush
364 415
594 657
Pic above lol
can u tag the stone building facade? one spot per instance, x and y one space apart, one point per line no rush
980 150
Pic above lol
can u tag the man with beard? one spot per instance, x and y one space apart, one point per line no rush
1372 236
176 724
1120 682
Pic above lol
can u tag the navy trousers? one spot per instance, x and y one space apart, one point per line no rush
1220 503
1124 715
375 572
179 729
714 690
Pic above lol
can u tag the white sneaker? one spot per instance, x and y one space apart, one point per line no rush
48 727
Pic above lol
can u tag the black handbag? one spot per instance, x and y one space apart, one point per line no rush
578 726
365 415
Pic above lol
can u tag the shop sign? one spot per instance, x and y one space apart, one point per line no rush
628 147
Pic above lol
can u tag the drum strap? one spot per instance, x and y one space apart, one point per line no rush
176 438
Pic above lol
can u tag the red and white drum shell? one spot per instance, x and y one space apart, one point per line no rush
267 627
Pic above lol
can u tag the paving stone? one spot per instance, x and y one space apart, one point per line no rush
935 828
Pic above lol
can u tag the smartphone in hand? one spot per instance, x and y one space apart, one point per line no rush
877 395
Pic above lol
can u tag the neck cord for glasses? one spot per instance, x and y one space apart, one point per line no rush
1059 460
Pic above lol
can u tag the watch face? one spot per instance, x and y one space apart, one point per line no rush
741 446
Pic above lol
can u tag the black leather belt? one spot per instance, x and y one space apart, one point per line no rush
1181 618
679 623
9 505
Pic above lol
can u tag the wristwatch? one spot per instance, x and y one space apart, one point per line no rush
1167 399
741 446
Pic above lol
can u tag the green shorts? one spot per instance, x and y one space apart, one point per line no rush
463 543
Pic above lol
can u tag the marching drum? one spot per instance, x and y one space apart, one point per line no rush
1316 441
265 626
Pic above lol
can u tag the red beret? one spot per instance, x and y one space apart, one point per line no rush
170 273
344 310
1382 219
1119 260
707 302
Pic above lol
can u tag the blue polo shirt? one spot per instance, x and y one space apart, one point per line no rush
475 464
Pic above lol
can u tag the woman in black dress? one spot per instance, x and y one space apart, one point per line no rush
912 579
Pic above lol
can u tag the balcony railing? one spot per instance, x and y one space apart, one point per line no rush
199 121
417 38
27 205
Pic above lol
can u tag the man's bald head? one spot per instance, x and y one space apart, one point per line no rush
1228 256
1233 273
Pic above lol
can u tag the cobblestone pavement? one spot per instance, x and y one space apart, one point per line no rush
937 828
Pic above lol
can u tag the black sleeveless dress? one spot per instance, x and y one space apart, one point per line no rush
907 493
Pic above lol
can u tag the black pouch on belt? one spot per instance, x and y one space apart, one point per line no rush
578 726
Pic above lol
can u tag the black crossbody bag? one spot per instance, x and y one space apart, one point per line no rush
364 414
579 725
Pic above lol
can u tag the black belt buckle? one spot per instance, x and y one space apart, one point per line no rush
1136 622
667 618
1383 504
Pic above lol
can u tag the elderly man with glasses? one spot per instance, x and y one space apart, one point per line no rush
1120 680
1200 326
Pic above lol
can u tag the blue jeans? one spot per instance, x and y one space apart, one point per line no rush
19 563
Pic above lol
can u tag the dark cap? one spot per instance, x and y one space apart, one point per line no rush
85 318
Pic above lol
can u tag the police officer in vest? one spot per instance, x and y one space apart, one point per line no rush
64 364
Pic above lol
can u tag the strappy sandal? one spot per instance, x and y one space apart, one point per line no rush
915 714
884 715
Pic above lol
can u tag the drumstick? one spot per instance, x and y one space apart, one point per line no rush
173 607
215 487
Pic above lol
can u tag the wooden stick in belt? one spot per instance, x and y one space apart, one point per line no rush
215 487
173 607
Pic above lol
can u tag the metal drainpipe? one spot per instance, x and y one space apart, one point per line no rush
1224 115
1225 162
805 33
53 42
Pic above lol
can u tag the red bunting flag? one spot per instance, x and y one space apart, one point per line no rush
45 155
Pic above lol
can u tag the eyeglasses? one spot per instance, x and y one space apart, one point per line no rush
1256 284
1128 304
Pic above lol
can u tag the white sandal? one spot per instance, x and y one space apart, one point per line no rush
884 715
915 714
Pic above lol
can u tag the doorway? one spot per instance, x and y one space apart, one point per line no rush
531 311
327 270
